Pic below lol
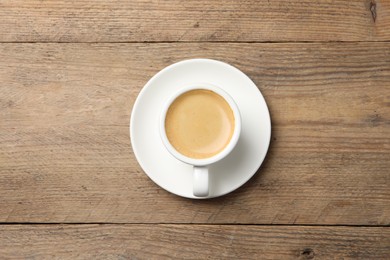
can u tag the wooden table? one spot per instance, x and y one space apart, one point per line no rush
70 186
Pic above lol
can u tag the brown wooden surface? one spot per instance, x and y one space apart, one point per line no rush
193 242
66 155
70 72
194 20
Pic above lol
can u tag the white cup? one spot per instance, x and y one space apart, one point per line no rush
201 171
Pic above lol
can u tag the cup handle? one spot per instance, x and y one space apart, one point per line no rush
201 181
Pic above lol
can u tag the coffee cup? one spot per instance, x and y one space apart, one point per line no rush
200 125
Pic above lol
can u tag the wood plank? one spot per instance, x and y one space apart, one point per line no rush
65 153
190 242
222 20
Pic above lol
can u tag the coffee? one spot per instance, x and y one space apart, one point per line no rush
199 124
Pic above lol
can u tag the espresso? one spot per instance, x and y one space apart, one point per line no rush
199 124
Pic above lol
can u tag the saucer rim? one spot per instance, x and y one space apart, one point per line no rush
152 80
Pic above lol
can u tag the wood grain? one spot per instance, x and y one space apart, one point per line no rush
192 242
222 20
65 154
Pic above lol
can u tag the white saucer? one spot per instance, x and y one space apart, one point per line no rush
229 173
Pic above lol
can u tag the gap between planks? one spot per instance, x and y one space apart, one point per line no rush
187 224
216 42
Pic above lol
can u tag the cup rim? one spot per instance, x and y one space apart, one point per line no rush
233 140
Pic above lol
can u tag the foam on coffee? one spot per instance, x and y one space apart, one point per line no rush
199 124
